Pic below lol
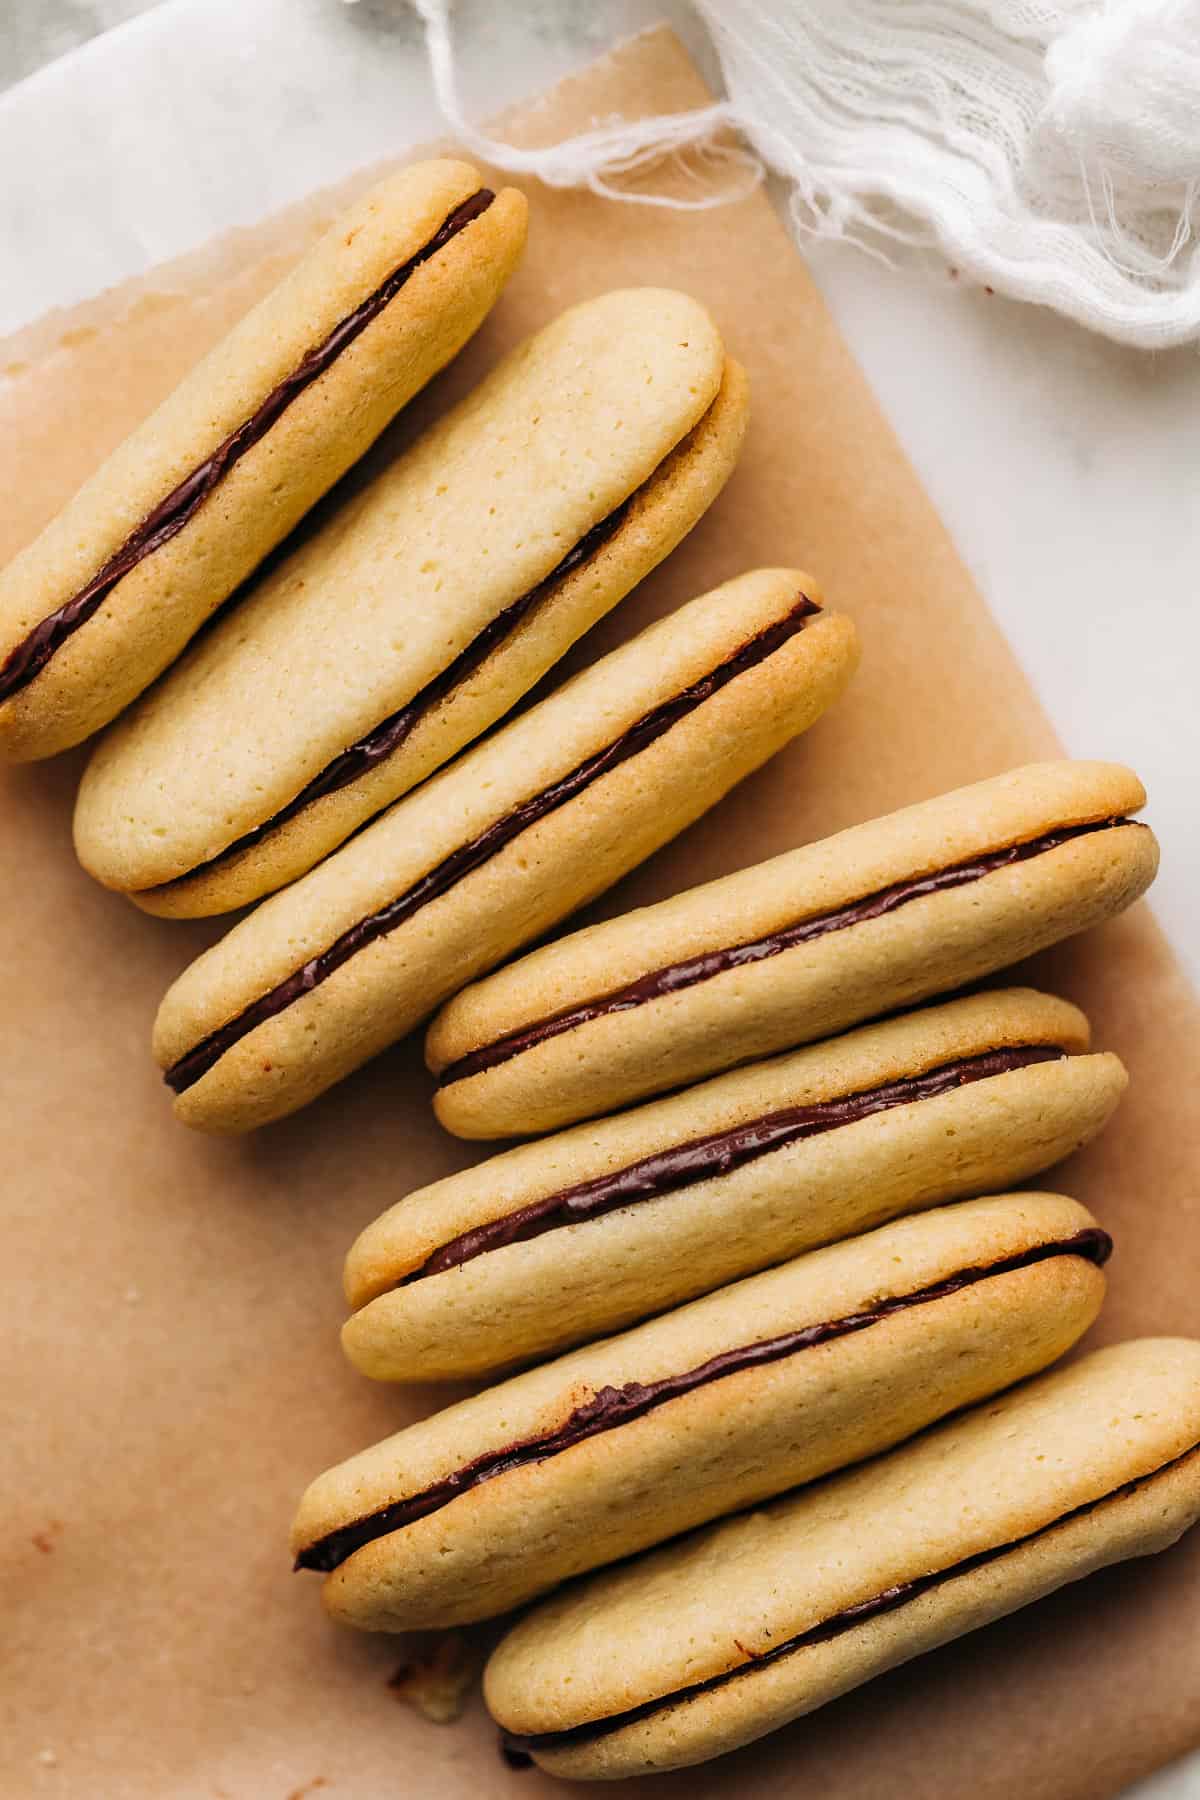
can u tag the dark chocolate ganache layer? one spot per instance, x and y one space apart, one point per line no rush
672 979
471 855
610 1407
518 1747
388 736
702 1158
170 516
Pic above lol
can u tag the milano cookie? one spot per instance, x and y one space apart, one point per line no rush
496 848
428 606
187 506
879 916
714 1641
767 1383
557 1241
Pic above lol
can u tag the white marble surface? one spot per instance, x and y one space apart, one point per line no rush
1067 469
34 32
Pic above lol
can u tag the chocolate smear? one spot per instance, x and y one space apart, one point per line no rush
676 976
719 1153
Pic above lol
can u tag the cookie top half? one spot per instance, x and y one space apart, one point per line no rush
885 913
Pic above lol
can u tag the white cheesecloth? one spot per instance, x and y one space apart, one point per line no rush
1048 150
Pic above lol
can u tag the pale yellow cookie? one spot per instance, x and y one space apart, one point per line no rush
913 904
187 507
559 1240
770 1382
422 612
714 1641
496 848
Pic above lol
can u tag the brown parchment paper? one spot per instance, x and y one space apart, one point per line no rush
171 1376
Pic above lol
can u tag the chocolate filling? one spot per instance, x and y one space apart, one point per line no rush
170 516
610 1407
478 850
387 738
734 956
517 1747
699 1159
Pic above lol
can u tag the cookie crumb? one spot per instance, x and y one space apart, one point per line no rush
438 1682
309 1787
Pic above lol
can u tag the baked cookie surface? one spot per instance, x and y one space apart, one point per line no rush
728 1634
184 510
879 916
422 610
494 849
557 1241
765 1384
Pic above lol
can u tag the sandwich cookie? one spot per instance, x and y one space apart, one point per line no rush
428 606
881 915
715 1641
496 848
557 1241
186 507
768 1383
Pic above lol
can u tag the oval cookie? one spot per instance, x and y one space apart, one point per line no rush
559 1240
770 1382
182 512
794 949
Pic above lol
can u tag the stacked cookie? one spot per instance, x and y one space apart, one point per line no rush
770 1233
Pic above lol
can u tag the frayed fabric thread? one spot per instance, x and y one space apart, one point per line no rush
1048 149
592 158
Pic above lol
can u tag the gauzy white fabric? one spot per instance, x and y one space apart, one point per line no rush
1048 150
